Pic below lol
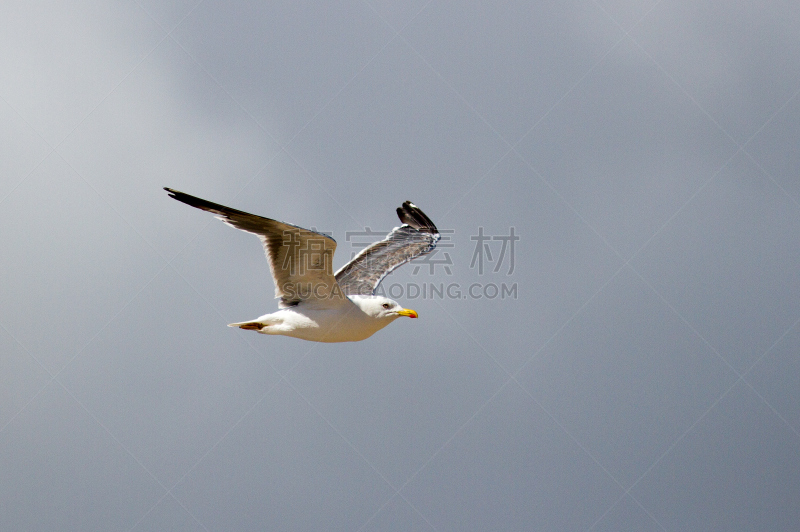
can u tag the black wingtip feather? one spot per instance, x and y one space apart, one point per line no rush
412 215
202 204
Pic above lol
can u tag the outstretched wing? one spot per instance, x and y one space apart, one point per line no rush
417 236
301 260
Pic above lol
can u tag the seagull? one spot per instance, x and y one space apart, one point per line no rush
315 304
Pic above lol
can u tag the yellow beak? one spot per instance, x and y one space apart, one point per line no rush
408 312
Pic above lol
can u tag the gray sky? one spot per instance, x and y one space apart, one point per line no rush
639 373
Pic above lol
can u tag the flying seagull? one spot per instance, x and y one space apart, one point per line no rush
316 304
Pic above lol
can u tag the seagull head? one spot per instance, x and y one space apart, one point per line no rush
380 307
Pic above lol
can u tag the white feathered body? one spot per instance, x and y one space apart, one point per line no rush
351 319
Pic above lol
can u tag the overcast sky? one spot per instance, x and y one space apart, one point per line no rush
608 336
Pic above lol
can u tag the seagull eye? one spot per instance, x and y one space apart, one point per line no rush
386 305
